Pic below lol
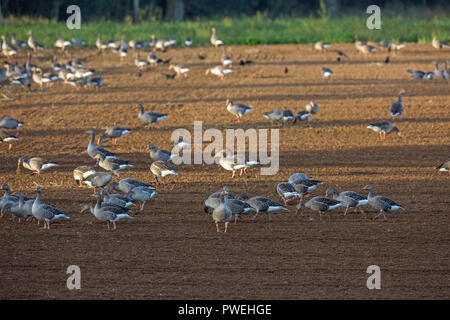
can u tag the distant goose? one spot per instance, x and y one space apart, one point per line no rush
286 191
45 212
117 199
8 138
112 164
320 45
298 176
274 115
36 164
417 74
320 204
219 71
326 72
110 214
101 46
384 127
264 205
181 144
305 186
397 107
160 154
439 73
150 117
78 42
445 166
429 76
229 163
96 82
125 185
140 63
8 50
160 169
22 208
188 42
446 72
397 46
438 44
33 44
239 110
16 42
61 43
81 173
341 53
10 124
113 133
312 107
382 204
141 194
225 59
215 41
98 180
180 70
153 59
94 149
360 200
288 116
302 116
222 213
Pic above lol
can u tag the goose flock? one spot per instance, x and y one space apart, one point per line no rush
114 199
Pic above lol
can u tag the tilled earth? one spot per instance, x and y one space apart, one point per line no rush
171 250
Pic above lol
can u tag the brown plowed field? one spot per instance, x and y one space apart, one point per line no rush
171 250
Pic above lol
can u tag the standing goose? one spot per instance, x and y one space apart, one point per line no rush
125 185
113 133
150 117
286 191
302 116
8 138
96 82
346 201
153 59
397 107
222 213
94 149
61 43
381 203
45 212
264 205
438 44
384 127
439 73
140 63
33 44
215 41
225 59
160 154
320 45
161 169
11 124
239 110
213 199
141 194
320 204
81 173
16 42
112 164
229 163
219 71
101 46
303 187
274 115
21 209
98 180
108 213
36 164
445 166
7 50
360 199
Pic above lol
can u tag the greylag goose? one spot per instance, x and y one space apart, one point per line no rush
94 149
305 186
397 46
445 166
222 213
61 43
363 47
360 199
288 116
219 71
8 50
274 115
36 164
125 185
98 180
7 197
101 46
113 133
215 41
264 205
238 207
141 194
438 44
16 42
117 199
320 204
21 208
298 176
286 191
417 74
320 45
8 138
159 154
161 169
188 42
181 143
225 59
33 44
239 110
81 173
302 116
384 127
439 73
229 163
123 52
107 213
213 199
45 212
381 203
112 164
150 117
326 72
180 70
312 107
397 107
11 124
153 59
140 63
446 72
96 82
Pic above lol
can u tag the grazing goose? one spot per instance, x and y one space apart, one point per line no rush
225 59
8 138
150 117
107 213
384 127
312 107
363 47
11 124
161 169
21 208
274 115
305 186
397 107
181 144
264 205
215 41
381 203
16 42
219 71
320 45
159 154
397 46
320 204
222 213
439 73
141 194
288 116
94 149
239 110
445 166
238 207
286 191
81 173
61 43
326 72
429 76
98 180
298 176
33 44
125 185
36 164
302 116
360 199
417 74
180 70
438 44
78 42
113 133
96 82
112 164
140 63
45 212
117 199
